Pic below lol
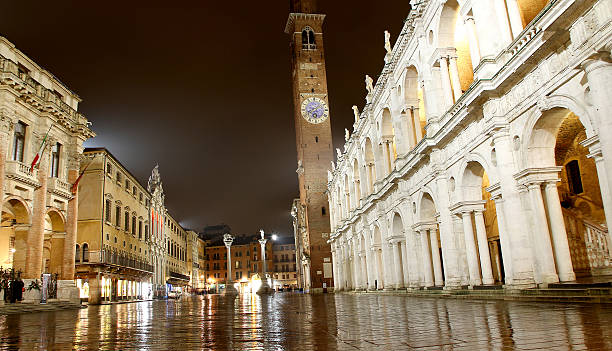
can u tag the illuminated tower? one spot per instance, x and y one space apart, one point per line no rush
313 140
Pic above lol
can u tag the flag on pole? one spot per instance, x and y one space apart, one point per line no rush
75 186
40 151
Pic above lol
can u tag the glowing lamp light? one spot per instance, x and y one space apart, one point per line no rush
13 250
274 237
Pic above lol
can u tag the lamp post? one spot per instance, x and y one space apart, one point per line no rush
228 239
265 287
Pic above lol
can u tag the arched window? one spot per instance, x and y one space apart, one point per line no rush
77 254
85 253
308 39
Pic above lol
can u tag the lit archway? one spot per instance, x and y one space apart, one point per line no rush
13 234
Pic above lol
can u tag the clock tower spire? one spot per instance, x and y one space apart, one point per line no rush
313 141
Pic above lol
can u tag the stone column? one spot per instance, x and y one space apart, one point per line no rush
541 236
446 83
483 249
379 268
428 278
514 14
473 40
595 153
6 126
36 237
503 240
369 262
515 235
336 273
454 77
416 117
397 262
387 156
599 75
414 273
470 248
95 289
71 219
364 270
405 268
356 265
435 257
559 235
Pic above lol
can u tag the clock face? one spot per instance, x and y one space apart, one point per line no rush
315 110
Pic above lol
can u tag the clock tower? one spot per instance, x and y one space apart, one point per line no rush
313 141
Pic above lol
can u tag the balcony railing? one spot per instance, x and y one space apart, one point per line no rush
57 185
111 258
179 276
20 171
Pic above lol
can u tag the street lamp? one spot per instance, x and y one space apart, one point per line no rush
228 239
265 287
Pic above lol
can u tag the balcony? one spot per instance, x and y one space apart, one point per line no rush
179 276
59 187
112 259
20 172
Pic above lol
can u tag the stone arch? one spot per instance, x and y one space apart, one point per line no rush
16 219
357 182
427 208
389 146
377 242
452 33
554 138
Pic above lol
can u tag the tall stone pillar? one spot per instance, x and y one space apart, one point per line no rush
541 237
483 248
470 248
369 262
71 219
414 273
6 126
454 77
595 153
356 264
405 268
503 239
473 40
397 263
435 257
428 278
445 83
36 238
95 290
515 236
559 235
599 75
514 14
416 117
336 272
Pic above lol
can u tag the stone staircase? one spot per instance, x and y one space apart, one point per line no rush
568 293
16 308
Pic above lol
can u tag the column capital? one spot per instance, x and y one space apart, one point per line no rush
463 207
600 60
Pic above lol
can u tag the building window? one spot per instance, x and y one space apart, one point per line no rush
146 232
107 212
19 141
134 225
237 275
55 160
118 216
127 185
308 39
109 168
323 211
134 191
126 221
85 253
574 179
140 197
118 177
140 230
77 253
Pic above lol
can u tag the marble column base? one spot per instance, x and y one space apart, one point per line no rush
68 291
264 289
230 290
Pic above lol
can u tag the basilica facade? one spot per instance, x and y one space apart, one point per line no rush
482 153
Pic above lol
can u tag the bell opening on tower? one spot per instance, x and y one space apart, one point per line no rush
303 6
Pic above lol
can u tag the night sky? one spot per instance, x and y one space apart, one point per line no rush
204 89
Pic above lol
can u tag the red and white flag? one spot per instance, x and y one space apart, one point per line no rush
40 151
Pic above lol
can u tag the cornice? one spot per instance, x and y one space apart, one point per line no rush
289 27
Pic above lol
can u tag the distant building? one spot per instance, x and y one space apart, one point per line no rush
284 270
246 261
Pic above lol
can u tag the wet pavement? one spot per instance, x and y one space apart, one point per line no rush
291 321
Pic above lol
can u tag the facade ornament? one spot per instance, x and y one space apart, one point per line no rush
300 168
543 104
356 113
369 84
347 135
339 152
333 166
388 42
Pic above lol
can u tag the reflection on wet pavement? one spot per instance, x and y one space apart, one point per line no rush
289 321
